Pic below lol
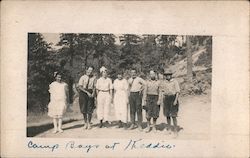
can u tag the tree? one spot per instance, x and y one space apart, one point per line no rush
189 59
40 70
68 40
130 51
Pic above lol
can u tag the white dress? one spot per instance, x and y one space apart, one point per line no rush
121 99
58 100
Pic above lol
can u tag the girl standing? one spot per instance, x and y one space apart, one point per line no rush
121 99
58 101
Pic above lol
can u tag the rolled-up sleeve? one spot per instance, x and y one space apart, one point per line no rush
80 83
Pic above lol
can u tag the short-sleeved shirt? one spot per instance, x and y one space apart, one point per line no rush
152 87
170 87
136 84
103 84
84 82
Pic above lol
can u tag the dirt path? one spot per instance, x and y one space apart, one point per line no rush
194 118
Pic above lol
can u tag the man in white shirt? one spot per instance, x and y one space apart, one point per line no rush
136 85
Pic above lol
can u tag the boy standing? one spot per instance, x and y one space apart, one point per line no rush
150 100
169 93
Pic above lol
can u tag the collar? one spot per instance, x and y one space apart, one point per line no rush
152 80
134 78
171 80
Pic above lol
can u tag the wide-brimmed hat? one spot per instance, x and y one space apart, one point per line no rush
168 72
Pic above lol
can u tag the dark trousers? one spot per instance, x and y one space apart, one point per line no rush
135 101
86 103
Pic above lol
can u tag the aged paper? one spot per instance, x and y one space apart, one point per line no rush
226 22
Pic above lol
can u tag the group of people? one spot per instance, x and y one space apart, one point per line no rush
132 95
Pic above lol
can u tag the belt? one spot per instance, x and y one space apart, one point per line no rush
169 94
104 90
135 92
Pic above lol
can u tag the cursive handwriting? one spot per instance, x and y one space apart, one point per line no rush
40 146
73 145
131 145
138 144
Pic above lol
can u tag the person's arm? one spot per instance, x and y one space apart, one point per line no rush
177 88
82 89
144 97
143 83
81 86
160 97
94 88
110 87
67 93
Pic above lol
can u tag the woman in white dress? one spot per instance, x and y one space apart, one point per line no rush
121 99
58 101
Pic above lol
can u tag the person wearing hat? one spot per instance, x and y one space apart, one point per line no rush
169 93
150 100
86 88
104 92
136 86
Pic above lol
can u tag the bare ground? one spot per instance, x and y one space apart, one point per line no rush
194 118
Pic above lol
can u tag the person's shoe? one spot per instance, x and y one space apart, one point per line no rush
140 128
168 131
106 124
54 131
120 125
125 126
101 125
132 127
175 132
147 129
60 131
154 129
85 126
89 126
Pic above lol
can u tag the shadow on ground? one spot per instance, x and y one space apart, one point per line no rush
35 130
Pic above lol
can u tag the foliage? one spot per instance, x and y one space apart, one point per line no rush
206 57
117 53
40 68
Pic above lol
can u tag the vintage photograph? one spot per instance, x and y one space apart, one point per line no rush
89 85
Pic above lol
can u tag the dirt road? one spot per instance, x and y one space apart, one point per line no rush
194 118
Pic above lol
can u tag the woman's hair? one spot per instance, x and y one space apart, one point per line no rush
56 73
90 67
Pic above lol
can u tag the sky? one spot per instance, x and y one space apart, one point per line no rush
52 38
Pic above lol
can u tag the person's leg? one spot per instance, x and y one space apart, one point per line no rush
154 124
99 109
83 101
85 121
132 111
148 124
89 120
106 107
55 125
101 124
60 124
175 123
168 122
139 111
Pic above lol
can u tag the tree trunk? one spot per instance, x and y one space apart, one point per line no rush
189 59
71 56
